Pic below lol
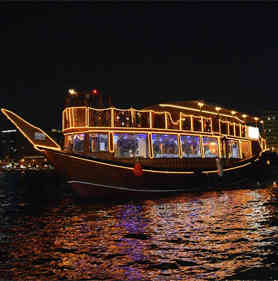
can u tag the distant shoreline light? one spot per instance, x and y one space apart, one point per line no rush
8 131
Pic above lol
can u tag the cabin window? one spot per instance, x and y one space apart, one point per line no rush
158 120
215 125
190 146
165 146
246 149
224 127
141 119
78 143
243 131
210 146
98 142
122 118
253 132
231 129
130 145
197 124
237 130
186 123
207 125
68 145
232 147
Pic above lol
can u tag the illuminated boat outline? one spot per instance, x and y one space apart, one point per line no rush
53 151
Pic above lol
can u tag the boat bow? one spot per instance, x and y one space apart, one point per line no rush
37 137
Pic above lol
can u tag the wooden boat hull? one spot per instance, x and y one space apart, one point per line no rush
97 178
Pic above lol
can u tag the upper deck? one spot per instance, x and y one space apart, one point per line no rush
191 117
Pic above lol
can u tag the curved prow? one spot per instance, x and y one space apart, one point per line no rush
37 137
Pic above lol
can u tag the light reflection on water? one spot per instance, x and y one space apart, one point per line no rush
196 236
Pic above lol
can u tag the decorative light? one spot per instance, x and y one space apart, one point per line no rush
200 104
217 108
195 109
244 115
256 120
261 121
233 112
72 92
131 130
95 92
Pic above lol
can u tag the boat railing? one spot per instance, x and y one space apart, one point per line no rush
99 118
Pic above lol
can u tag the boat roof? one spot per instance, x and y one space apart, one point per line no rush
197 107
190 104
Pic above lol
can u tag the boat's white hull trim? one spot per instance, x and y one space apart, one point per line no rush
125 188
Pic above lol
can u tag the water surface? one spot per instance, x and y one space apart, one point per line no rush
217 235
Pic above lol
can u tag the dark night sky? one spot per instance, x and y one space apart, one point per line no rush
139 53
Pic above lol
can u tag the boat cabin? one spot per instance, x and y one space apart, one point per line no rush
179 130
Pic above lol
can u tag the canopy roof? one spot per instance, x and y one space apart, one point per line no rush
201 108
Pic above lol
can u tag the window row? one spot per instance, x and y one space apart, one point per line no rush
131 145
82 117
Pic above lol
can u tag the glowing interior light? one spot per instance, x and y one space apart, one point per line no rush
253 132
244 115
217 108
256 118
233 112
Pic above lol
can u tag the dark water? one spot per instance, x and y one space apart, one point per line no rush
196 236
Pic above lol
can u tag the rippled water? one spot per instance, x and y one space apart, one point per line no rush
193 236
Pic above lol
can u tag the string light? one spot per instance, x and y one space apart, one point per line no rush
197 110
167 115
